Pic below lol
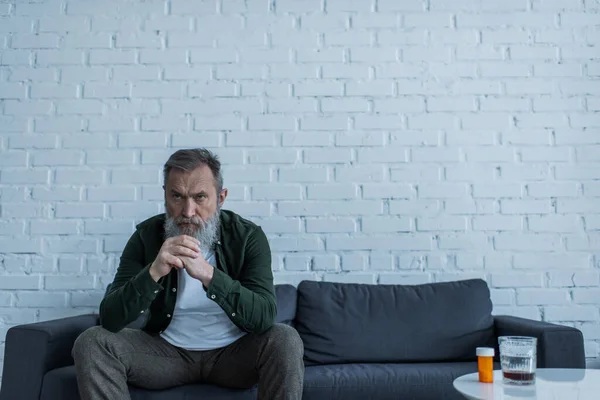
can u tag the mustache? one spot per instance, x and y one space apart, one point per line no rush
194 221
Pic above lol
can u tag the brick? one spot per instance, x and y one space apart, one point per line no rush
236 72
157 90
316 208
145 140
147 175
517 279
271 122
57 157
64 176
79 210
247 139
330 225
497 190
211 89
495 154
277 225
298 262
344 191
134 210
572 313
14 159
386 191
407 241
565 136
54 227
59 57
527 242
536 154
463 241
318 88
326 262
281 105
529 87
309 243
55 193
497 223
578 206
366 54
361 139
136 73
441 190
108 227
449 223
14 90
579 87
353 262
353 174
584 120
579 171
21 176
531 172
425 208
106 90
11 228
110 157
404 104
247 174
20 246
302 175
588 153
391 155
68 282
432 121
318 123
33 74
502 297
276 192
41 107
275 156
479 52
327 156
558 189
40 299
35 41
333 105
554 223
12 194
386 224
415 173
377 122
529 137
529 312
437 104
27 210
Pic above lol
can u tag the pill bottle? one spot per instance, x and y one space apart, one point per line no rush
485 364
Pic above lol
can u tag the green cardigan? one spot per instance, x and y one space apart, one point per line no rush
242 283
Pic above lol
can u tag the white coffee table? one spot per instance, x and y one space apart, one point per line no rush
551 384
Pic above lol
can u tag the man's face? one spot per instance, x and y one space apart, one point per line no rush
191 199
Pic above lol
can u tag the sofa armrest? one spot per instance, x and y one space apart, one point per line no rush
558 346
31 350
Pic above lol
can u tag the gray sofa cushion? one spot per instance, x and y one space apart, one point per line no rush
423 381
356 323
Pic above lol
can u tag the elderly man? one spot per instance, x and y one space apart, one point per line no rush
202 278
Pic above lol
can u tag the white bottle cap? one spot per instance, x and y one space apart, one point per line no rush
485 352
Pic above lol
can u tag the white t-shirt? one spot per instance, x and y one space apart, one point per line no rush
198 323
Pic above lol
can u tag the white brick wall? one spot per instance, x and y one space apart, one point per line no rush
376 141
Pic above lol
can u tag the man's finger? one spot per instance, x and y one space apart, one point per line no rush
174 261
185 251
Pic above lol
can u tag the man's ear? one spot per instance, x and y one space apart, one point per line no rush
222 196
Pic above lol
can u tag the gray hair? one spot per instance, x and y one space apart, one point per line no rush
190 159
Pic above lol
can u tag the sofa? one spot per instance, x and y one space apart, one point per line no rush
360 342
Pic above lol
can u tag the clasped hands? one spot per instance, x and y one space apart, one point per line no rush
182 252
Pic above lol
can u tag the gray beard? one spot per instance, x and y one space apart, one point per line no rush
205 232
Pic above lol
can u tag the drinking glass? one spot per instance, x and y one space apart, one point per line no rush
518 357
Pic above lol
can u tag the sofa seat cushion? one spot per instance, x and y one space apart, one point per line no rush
343 323
61 384
422 381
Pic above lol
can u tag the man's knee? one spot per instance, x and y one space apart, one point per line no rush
287 339
88 341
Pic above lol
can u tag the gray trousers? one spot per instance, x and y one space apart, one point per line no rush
106 362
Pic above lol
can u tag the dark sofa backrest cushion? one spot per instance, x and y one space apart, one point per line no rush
286 297
350 323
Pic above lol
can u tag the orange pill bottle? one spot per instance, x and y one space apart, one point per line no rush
485 364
